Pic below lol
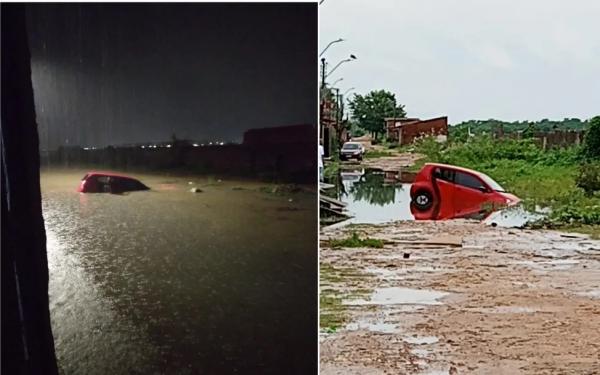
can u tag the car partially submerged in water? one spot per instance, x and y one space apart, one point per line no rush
443 191
109 182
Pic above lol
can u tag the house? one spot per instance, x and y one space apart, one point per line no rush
406 130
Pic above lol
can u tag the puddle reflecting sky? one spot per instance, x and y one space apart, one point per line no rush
374 196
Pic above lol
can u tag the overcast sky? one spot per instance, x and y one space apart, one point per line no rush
470 59
122 73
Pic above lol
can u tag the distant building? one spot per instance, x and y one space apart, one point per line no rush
302 133
286 151
406 130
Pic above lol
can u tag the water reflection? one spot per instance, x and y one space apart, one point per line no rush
167 281
371 187
374 196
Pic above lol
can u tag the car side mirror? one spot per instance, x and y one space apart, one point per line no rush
483 189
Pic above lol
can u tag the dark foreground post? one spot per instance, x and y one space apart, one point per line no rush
27 342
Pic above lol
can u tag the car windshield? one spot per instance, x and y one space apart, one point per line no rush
491 183
350 146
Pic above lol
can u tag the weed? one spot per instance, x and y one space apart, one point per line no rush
355 241
373 154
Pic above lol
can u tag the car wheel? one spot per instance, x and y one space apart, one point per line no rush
423 200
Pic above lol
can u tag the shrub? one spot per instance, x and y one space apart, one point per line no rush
591 141
589 178
355 241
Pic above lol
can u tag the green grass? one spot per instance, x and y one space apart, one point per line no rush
592 230
333 313
355 241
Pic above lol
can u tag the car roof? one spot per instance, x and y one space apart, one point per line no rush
352 143
110 174
456 168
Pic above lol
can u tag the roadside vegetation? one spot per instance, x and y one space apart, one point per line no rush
355 241
567 181
478 127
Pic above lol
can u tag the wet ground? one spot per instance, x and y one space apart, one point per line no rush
460 296
169 281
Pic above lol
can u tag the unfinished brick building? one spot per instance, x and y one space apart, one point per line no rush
406 130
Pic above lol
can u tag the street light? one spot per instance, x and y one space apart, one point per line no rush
347 91
351 58
329 45
339 79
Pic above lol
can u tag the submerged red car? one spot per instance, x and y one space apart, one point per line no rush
443 191
109 182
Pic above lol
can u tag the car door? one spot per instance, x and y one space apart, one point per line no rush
469 197
444 186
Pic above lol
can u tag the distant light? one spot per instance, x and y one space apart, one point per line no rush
195 145
222 143
86 148
168 146
202 144
143 146
210 143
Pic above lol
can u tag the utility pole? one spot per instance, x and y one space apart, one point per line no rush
323 73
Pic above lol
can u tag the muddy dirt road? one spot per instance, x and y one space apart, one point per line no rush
472 300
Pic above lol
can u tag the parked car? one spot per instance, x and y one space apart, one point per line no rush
108 182
443 191
352 150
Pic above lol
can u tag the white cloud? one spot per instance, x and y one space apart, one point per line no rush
507 59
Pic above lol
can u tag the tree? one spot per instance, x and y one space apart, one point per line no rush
369 111
591 141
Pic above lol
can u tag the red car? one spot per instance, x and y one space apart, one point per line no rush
443 191
108 182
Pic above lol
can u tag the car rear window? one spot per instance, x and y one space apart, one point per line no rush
468 180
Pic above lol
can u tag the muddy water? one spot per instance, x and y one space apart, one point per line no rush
169 281
373 197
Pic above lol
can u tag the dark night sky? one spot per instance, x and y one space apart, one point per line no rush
124 73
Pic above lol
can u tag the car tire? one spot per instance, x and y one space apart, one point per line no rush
423 200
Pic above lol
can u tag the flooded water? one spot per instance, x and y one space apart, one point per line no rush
401 296
421 340
513 217
169 281
373 196
373 327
